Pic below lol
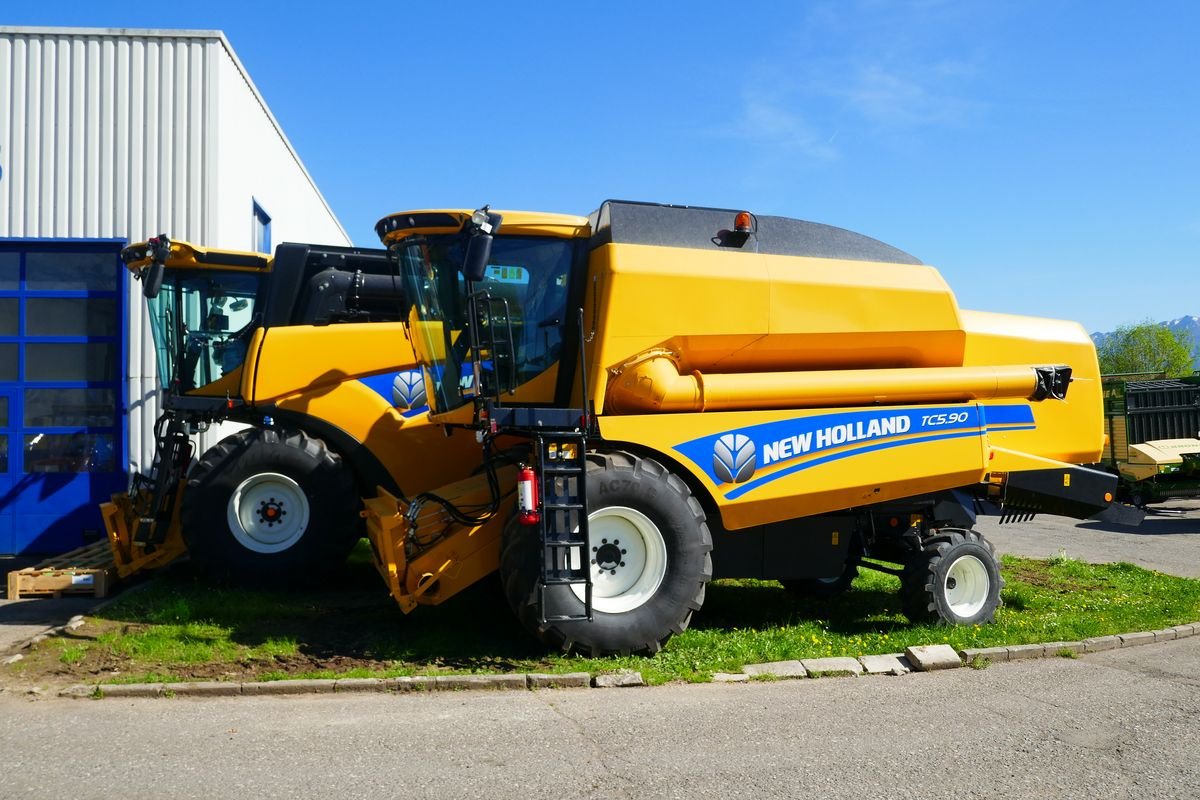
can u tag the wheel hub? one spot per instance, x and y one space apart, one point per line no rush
268 513
271 512
608 556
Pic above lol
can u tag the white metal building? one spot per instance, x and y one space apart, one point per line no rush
108 137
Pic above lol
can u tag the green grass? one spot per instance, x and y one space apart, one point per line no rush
179 627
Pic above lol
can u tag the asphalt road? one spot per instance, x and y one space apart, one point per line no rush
1167 540
1115 724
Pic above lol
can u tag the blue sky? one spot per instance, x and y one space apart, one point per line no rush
1044 156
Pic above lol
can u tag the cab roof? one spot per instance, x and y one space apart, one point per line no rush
395 227
186 254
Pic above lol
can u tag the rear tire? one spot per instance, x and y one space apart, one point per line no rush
267 506
953 580
648 533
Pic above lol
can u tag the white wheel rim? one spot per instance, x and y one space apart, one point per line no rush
628 558
268 513
967 586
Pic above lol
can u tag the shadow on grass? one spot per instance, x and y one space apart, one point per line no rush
764 606
351 618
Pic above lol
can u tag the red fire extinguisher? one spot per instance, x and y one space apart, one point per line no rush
527 496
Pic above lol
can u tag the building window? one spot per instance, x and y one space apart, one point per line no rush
262 229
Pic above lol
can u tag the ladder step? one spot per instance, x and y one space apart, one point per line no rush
564 528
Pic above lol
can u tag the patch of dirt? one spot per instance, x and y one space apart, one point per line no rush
61 661
336 630
1039 578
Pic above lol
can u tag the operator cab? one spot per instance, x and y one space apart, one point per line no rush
203 309
512 287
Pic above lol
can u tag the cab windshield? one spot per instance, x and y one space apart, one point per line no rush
202 322
521 302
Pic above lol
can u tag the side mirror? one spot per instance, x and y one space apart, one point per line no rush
152 281
479 230
479 250
158 248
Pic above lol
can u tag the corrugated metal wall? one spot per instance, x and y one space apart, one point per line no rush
110 136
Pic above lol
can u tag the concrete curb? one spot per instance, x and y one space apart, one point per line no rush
404 684
889 664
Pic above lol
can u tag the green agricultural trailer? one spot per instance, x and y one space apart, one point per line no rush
1153 427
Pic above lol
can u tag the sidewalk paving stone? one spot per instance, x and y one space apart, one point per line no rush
1136 639
929 657
567 680
1098 644
1022 651
992 654
780 669
618 680
884 665
837 666
730 677
455 683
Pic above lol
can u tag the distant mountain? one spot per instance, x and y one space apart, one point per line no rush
1188 325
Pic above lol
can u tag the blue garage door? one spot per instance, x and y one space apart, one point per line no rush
62 421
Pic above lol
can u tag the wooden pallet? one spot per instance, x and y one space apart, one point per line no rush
88 570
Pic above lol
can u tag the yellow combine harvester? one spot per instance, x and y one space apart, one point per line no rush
307 351
705 393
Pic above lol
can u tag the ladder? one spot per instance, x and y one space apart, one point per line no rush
562 470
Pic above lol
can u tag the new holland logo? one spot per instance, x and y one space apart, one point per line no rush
408 389
734 458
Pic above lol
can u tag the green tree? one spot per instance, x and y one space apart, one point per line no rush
1146 347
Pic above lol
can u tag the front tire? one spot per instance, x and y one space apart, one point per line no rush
954 579
651 560
267 506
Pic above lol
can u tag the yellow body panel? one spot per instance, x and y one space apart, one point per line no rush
732 312
1071 430
309 358
316 371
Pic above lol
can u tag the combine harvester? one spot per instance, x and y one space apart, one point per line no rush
307 351
702 393
654 396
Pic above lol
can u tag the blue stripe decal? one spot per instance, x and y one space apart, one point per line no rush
733 456
1007 415
774 476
